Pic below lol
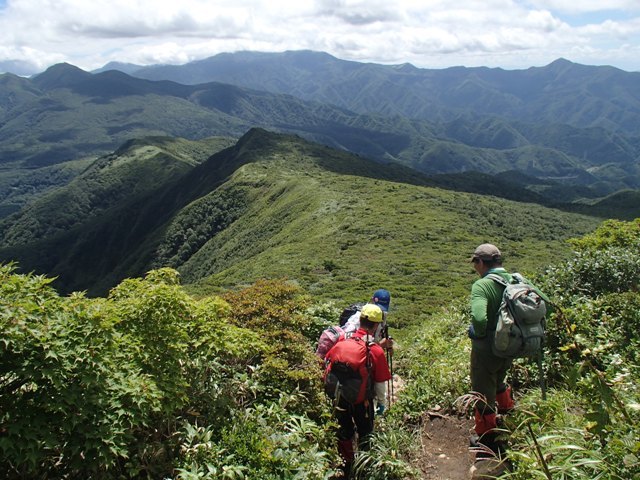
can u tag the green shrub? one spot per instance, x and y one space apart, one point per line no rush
264 441
590 425
277 310
94 387
268 305
73 394
389 455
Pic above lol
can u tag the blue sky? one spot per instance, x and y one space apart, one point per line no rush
587 18
511 34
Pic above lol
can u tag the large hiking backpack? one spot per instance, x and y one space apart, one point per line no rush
520 328
348 372
349 311
328 338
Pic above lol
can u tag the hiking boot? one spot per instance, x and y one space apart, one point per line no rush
474 440
488 446
487 468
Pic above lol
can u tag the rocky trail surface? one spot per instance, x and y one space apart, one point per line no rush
445 447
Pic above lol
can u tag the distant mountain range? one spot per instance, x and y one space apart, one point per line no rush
572 127
560 93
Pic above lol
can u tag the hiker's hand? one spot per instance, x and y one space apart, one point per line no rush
380 409
472 333
387 344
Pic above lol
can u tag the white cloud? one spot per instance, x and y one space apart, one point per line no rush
428 33
586 6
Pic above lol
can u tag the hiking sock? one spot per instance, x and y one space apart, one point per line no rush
484 423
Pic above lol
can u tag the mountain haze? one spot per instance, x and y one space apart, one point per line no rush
66 113
591 114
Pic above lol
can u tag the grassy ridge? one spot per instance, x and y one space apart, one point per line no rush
135 169
278 206
344 236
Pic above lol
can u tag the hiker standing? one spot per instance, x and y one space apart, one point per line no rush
382 298
489 366
354 399
488 372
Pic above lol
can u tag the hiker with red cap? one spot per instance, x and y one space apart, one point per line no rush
489 371
355 379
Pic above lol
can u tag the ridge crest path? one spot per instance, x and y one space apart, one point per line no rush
445 447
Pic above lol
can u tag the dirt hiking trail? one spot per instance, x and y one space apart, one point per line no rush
445 447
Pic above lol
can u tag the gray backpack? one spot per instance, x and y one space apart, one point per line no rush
520 328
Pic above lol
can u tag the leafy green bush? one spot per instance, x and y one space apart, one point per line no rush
611 233
268 305
595 272
93 387
590 426
265 441
277 309
389 455
72 393
154 314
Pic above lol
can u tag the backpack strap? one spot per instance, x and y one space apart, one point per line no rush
368 363
515 278
497 278
337 331
519 278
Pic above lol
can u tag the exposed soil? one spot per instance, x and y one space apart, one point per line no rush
445 447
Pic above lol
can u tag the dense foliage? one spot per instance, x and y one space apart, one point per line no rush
150 382
588 427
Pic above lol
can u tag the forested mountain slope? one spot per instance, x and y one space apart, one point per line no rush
561 92
66 114
590 113
276 205
125 176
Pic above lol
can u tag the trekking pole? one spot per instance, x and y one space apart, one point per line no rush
390 360
389 353
541 374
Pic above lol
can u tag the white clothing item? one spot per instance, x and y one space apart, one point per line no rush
381 393
353 324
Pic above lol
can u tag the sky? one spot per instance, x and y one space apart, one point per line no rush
511 34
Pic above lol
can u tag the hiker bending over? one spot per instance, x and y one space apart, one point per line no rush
489 371
382 298
355 377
